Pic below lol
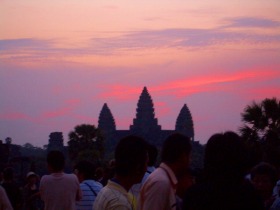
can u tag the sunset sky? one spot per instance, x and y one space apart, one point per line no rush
61 60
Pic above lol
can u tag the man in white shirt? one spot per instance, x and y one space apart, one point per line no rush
158 192
59 190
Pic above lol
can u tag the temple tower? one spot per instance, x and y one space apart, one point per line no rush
107 126
56 141
145 120
184 122
106 121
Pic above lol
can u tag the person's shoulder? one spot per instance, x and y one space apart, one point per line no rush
2 190
69 176
91 183
159 175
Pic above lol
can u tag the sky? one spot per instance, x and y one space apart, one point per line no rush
61 60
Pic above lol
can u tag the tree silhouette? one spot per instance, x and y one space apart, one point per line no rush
85 142
261 120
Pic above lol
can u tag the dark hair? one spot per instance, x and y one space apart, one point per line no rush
130 154
152 153
225 156
87 168
264 168
56 160
174 146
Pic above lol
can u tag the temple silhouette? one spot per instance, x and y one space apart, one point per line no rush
145 124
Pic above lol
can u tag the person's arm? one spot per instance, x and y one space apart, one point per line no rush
41 188
79 191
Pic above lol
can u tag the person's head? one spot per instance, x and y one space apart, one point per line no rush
131 157
56 161
152 153
85 170
31 178
176 152
264 178
225 156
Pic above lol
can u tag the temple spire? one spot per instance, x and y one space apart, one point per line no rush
184 122
106 120
145 114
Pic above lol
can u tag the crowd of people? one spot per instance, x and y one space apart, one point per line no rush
133 180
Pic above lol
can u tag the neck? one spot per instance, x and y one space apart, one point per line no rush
125 181
56 172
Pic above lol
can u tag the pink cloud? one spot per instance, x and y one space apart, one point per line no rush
14 116
216 81
69 106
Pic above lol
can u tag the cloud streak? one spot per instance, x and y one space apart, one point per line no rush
191 85
248 22
24 49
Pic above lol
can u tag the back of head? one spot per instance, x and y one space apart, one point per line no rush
152 153
130 155
225 156
174 147
265 169
56 160
86 168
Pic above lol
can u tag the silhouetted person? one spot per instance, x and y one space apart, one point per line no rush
109 172
224 186
59 190
185 181
11 188
152 153
85 171
5 203
264 178
31 195
130 165
158 192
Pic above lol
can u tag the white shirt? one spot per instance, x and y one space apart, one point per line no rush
60 191
158 192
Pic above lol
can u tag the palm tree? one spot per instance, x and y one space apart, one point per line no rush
261 120
85 142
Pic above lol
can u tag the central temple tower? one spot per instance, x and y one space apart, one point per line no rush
145 120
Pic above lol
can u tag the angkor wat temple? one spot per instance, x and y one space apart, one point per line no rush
145 124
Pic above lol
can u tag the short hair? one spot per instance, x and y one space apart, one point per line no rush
225 156
174 146
56 160
87 168
152 153
130 154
